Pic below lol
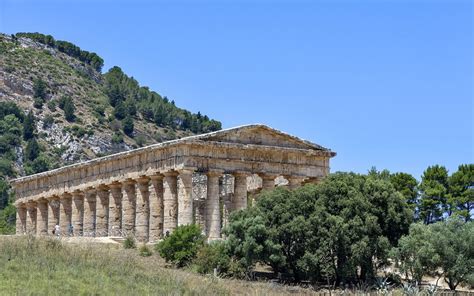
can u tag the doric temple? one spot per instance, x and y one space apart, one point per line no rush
148 192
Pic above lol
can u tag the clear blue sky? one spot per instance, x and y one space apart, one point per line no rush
383 83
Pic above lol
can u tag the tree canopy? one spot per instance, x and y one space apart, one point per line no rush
339 231
68 48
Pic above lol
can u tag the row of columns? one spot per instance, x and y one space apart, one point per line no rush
148 207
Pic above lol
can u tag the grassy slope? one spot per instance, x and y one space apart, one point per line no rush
30 266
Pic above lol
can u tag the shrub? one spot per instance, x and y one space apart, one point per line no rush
48 121
181 247
69 110
129 243
210 256
52 105
145 251
140 140
38 103
128 126
117 138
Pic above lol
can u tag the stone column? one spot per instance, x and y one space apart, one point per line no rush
156 207
65 214
200 214
31 209
78 213
213 210
143 209
185 199
102 214
294 182
129 207
170 202
115 210
268 181
21 218
240 191
53 213
90 208
42 217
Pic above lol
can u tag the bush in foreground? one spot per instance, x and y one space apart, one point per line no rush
129 243
145 251
212 256
181 247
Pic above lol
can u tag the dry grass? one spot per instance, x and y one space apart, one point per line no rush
31 266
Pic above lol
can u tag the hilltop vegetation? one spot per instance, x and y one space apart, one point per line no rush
57 108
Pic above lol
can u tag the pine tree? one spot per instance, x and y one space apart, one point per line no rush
128 126
433 187
29 126
31 150
69 110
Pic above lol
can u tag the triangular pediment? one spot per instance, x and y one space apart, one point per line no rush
259 135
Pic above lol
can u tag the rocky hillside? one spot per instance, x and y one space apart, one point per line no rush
58 108
80 113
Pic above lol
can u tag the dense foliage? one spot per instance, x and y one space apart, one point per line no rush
130 99
17 133
339 231
68 48
181 247
443 249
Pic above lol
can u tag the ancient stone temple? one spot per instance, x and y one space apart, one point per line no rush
148 192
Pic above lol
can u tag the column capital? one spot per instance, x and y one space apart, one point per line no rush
77 194
143 180
115 185
66 195
42 200
241 174
268 176
170 173
156 177
90 191
102 187
31 204
215 172
186 170
20 204
128 182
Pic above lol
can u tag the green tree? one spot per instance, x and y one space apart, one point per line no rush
29 127
7 219
415 253
461 191
41 164
337 231
128 126
4 187
69 109
119 111
443 249
453 242
39 89
407 185
434 188
32 150
181 247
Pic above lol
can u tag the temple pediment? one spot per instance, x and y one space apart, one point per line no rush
259 135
